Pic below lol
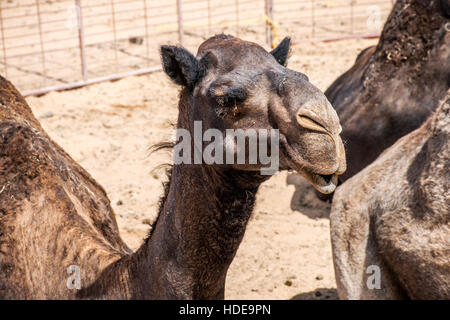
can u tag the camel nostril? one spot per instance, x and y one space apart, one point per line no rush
307 122
326 177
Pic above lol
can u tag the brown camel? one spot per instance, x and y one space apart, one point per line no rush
55 219
390 223
394 87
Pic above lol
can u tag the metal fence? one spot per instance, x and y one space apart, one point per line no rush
50 45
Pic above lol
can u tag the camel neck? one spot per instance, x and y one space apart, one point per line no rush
200 227
201 222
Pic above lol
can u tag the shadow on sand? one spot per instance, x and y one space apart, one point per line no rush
305 198
318 294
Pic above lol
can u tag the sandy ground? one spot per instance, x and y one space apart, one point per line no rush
109 127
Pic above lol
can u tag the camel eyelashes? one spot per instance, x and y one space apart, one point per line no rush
229 102
228 97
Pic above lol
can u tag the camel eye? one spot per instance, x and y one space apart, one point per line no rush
231 102
228 97
309 123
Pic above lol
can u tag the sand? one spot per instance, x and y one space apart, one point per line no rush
108 128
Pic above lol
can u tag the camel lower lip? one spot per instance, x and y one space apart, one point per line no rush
317 180
320 184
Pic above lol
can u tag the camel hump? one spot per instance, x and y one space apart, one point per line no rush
13 106
51 213
352 79
31 164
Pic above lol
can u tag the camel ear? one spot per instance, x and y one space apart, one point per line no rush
180 65
281 52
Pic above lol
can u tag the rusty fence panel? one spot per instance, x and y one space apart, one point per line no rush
64 44
323 20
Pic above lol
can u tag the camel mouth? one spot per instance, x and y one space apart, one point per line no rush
323 183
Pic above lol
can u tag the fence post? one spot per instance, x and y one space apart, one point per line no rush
209 18
3 41
113 16
44 69
147 40
237 17
269 14
180 22
313 17
81 40
351 16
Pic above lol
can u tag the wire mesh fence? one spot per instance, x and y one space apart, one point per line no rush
54 45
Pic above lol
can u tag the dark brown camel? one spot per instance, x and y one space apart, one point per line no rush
392 220
53 215
394 87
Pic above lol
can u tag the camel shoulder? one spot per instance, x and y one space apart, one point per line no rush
375 190
402 199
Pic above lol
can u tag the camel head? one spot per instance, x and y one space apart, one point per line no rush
235 84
